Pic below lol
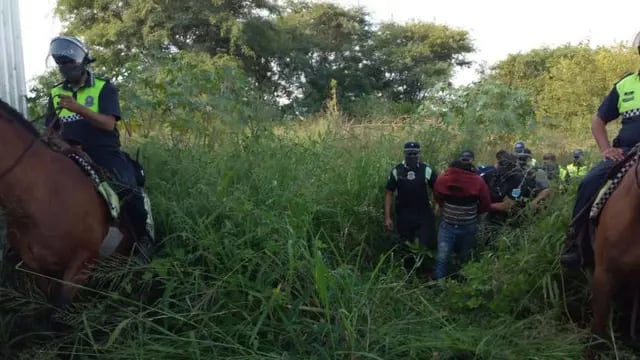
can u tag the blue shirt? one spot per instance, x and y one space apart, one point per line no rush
84 132
483 169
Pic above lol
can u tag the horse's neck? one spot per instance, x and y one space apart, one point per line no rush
14 144
13 141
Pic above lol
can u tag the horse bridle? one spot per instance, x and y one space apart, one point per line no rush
24 153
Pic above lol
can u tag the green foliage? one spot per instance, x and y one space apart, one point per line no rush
291 51
394 61
566 83
273 249
322 42
377 109
273 238
484 115
416 56
40 94
120 31
194 95
528 70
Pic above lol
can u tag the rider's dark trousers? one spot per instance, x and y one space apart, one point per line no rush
590 185
124 183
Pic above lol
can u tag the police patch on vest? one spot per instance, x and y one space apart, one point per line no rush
627 99
411 175
88 101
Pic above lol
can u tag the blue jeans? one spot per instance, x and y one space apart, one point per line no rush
450 238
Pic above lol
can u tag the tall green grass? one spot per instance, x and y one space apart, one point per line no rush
274 248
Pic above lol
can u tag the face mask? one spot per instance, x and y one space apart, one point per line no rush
411 161
72 72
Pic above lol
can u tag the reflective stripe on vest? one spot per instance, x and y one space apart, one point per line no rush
629 96
87 96
427 173
576 170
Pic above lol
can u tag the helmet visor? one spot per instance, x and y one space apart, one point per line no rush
64 51
636 41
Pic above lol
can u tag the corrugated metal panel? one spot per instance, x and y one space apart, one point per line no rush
13 88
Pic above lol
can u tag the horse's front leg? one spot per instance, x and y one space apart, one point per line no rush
76 274
602 290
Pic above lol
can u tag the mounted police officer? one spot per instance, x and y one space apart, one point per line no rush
623 101
86 108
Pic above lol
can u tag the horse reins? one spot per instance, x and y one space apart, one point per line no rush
17 161
24 153
635 171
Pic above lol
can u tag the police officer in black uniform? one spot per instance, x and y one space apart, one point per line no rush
87 109
410 181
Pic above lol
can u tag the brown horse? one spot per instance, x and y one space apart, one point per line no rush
56 219
617 249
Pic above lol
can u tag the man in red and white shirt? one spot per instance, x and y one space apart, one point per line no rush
462 196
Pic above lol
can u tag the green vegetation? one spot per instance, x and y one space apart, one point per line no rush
272 215
274 248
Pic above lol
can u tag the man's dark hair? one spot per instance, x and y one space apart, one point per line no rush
549 157
464 165
501 154
507 160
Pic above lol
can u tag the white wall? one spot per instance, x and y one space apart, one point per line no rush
12 79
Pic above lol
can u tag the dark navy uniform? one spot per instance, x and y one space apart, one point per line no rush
103 146
414 214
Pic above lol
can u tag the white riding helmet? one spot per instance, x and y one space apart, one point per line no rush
69 48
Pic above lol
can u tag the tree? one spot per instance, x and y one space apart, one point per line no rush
566 83
121 30
528 70
323 42
416 56
291 51
400 62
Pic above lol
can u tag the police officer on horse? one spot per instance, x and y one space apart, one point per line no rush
623 101
86 110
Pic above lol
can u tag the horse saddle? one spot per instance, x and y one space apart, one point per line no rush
73 150
100 181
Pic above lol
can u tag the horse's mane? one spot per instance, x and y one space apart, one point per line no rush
14 115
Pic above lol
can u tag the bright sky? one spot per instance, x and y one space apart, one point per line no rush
497 27
38 27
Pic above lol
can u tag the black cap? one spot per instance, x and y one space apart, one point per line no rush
467 156
411 147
